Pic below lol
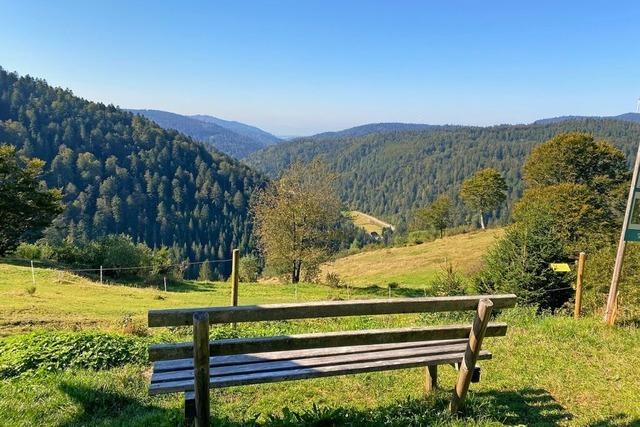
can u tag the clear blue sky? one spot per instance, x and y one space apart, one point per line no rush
299 67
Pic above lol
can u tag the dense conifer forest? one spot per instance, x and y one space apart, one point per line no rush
122 173
391 174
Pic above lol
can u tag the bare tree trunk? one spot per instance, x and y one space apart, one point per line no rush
295 274
482 220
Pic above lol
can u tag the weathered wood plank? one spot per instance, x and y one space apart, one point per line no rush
252 313
240 359
282 365
323 371
332 339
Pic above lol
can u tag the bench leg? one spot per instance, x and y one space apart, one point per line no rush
468 364
189 408
201 367
431 374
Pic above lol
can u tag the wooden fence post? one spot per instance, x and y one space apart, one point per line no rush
580 272
234 276
33 274
201 367
101 275
470 358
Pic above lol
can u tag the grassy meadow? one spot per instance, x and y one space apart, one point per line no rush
547 371
414 266
369 223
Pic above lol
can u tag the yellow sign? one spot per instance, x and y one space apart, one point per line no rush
560 267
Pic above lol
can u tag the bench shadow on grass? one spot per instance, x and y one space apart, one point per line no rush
527 406
109 408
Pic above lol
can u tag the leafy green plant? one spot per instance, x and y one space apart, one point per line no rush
249 266
55 351
30 290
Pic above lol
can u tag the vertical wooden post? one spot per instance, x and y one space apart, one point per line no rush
617 268
614 312
431 374
165 283
33 274
471 354
580 273
101 275
234 276
201 367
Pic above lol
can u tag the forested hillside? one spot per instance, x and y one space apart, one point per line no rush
379 128
390 174
122 173
627 117
233 138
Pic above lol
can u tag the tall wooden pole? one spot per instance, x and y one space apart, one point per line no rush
234 276
581 258
33 274
617 268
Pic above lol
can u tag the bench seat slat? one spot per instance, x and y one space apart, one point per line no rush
315 372
332 339
268 312
239 359
323 360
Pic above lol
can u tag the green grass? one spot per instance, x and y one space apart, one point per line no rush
547 371
416 265
63 300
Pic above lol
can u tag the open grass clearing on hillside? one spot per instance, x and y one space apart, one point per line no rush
368 222
416 265
547 371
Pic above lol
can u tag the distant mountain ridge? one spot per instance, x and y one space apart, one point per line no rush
249 131
233 138
626 117
386 127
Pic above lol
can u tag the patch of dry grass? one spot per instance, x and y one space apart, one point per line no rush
414 265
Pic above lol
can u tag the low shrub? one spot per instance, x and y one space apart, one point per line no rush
448 282
249 268
332 279
30 290
47 351
132 327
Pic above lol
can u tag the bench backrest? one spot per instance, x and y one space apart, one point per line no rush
257 313
183 317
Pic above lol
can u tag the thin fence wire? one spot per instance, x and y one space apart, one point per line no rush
141 267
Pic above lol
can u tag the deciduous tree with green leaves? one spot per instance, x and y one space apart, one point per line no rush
26 205
484 192
437 215
580 183
296 218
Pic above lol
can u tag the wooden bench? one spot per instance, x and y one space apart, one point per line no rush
195 367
